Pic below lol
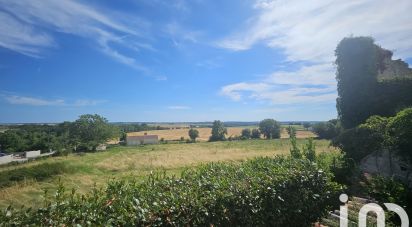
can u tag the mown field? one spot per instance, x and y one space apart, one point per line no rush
24 184
205 133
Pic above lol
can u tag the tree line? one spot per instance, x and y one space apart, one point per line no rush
84 134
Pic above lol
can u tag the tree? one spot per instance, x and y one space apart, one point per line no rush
193 134
307 125
327 130
218 131
270 128
255 134
89 131
246 133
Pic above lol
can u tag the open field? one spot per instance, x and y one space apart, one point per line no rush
204 133
82 172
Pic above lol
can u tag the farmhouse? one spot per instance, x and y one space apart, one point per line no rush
138 140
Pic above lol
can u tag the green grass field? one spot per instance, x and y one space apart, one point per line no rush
24 184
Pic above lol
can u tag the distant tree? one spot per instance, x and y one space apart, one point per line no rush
327 130
306 125
255 133
218 131
291 131
246 133
270 128
193 134
91 130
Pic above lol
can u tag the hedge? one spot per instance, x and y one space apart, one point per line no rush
276 191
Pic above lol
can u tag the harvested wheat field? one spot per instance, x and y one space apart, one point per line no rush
204 133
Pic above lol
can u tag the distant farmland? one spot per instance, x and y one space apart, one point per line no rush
204 133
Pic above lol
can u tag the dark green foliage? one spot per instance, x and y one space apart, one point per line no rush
358 142
91 130
218 131
261 192
246 133
357 70
400 132
36 172
193 134
327 130
86 134
392 96
377 133
390 190
255 134
136 127
360 93
270 128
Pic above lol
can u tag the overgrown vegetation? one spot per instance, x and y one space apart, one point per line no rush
361 94
276 191
37 172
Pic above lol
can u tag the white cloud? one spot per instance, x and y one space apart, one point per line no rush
22 100
24 25
178 107
34 101
310 30
310 84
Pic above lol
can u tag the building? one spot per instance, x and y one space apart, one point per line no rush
139 140
32 154
5 158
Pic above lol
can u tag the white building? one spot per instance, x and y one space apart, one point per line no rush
32 154
139 140
6 159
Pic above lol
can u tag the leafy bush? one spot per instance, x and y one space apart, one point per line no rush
390 190
255 134
246 133
265 191
327 130
358 142
400 131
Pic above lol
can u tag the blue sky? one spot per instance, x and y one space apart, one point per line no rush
181 60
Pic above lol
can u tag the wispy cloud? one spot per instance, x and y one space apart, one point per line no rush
27 27
35 101
310 30
178 107
310 84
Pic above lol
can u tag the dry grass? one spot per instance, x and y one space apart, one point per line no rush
124 162
204 133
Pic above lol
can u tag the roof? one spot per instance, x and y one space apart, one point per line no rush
143 137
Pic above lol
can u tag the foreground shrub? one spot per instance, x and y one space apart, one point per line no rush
400 131
265 191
